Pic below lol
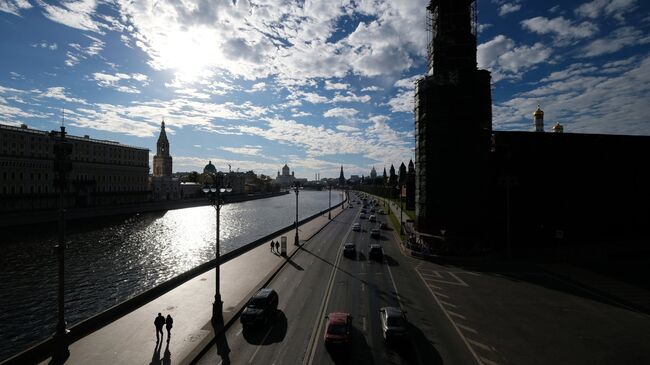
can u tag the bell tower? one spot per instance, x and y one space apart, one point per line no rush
162 161
453 124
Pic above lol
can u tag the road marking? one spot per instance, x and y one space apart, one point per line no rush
488 362
238 332
363 286
478 344
259 347
468 329
456 314
438 278
448 304
442 295
318 325
462 337
363 323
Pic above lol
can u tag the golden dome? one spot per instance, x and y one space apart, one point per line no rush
558 128
539 112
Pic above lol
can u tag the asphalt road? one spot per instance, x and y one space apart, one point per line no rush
319 280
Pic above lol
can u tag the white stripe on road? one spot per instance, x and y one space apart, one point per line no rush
456 314
259 347
448 304
468 329
478 344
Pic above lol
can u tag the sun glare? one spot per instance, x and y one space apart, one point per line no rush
189 53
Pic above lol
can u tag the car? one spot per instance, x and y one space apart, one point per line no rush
356 227
374 233
393 324
338 330
376 252
362 216
383 225
363 210
372 210
349 249
372 218
260 308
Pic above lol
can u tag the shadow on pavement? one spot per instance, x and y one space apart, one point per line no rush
358 352
390 261
273 332
295 265
419 350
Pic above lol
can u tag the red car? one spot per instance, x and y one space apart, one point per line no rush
338 330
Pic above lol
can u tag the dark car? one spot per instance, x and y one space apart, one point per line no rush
338 330
376 252
382 225
374 233
349 249
260 308
393 324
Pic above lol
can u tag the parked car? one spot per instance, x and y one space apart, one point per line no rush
376 252
374 233
338 330
393 324
356 227
349 249
260 308
372 218
362 216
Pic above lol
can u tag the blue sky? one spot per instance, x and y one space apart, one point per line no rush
314 84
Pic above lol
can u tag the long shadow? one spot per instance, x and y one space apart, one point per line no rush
294 264
390 261
273 332
417 349
358 352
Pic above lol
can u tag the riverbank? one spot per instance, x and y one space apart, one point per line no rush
17 219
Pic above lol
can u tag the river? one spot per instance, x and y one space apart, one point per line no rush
109 260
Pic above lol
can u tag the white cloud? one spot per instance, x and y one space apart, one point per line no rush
505 60
245 150
619 39
344 113
402 102
372 88
116 81
314 98
74 14
58 93
347 128
43 44
562 28
613 8
335 86
79 52
350 97
260 86
508 8
408 83
14 6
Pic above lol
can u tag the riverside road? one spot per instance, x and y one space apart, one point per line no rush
483 314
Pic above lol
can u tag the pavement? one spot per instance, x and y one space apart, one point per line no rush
131 339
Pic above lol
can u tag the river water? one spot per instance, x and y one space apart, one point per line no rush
110 260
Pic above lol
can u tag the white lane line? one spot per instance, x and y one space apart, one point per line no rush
259 347
465 328
363 323
363 286
488 361
442 295
456 314
238 332
318 325
448 304
392 280
462 337
480 345
460 281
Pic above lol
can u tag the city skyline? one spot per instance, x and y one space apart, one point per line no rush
315 86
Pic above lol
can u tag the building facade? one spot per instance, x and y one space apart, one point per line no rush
285 179
103 172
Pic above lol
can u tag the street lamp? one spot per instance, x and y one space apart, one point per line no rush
62 165
296 188
216 200
401 209
329 211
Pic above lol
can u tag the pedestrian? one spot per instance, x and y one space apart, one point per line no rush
169 322
159 322
272 245
277 246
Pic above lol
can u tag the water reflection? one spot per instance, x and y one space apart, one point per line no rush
108 261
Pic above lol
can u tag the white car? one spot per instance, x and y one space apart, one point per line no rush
356 227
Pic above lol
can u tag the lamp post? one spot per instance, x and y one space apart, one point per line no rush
62 165
214 192
296 188
329 211
401 209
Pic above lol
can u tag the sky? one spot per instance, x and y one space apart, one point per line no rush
314 84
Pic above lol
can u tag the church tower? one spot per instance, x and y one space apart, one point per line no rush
538 118
453 124
341 177
162 161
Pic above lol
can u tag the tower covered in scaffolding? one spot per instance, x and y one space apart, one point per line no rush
453 125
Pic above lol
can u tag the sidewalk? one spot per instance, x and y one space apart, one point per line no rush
131 339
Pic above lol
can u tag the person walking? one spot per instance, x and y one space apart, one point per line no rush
169 323
277 246
159 322
272 245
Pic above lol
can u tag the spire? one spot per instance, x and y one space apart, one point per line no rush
538 117
341 177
